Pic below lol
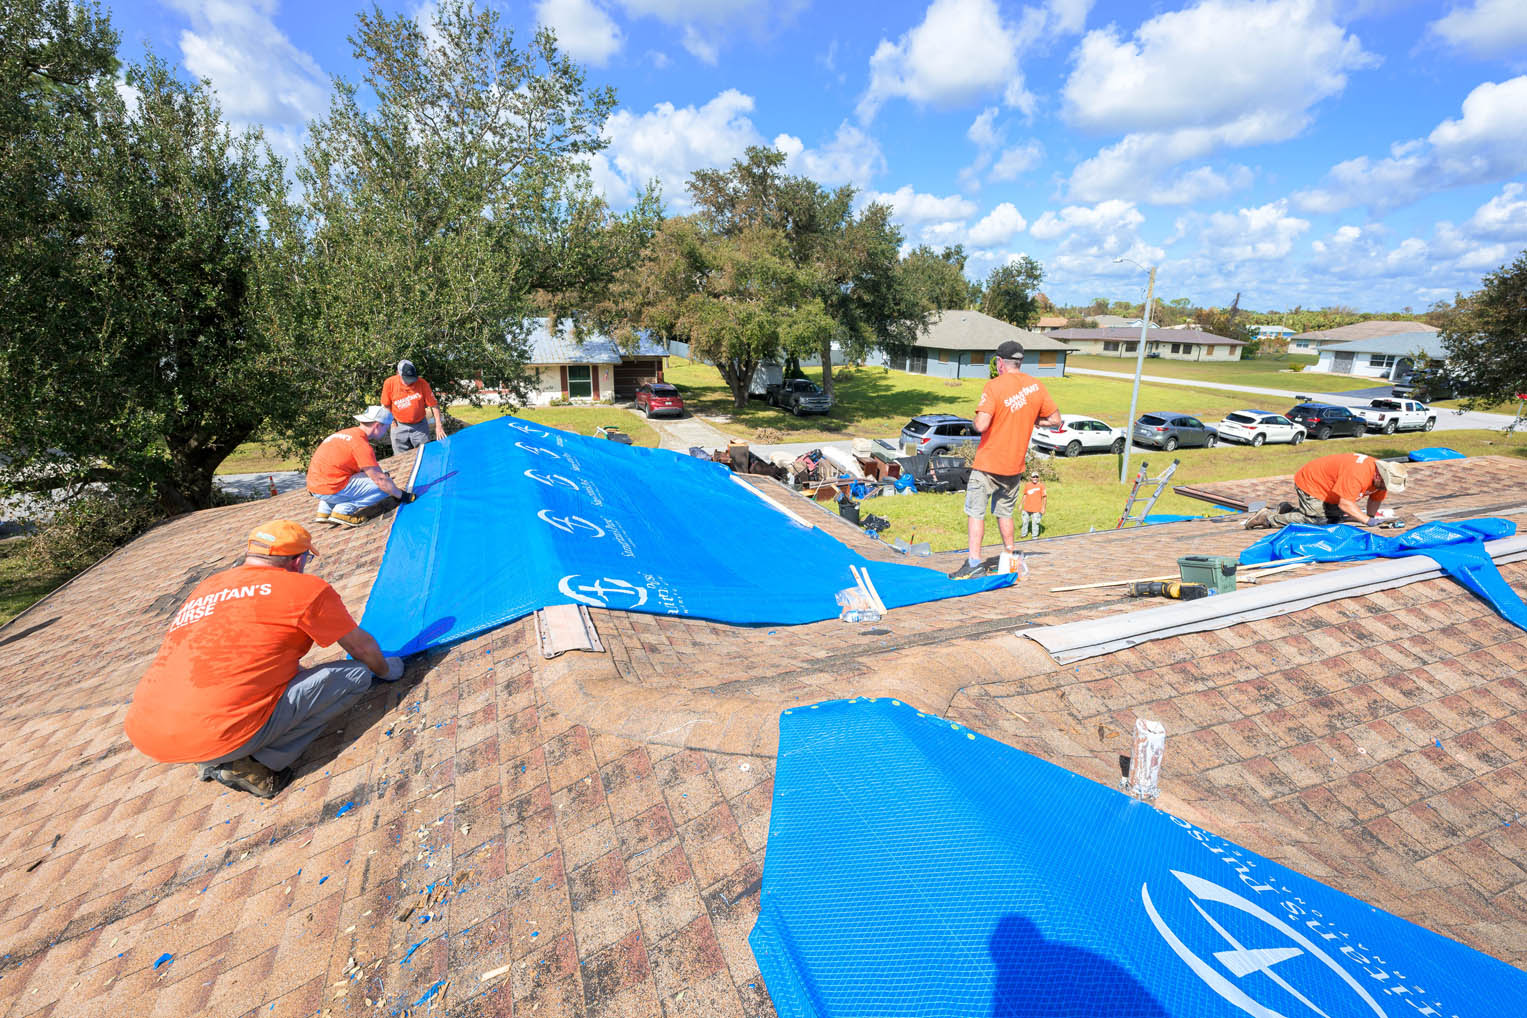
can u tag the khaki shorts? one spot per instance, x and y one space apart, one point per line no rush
983 488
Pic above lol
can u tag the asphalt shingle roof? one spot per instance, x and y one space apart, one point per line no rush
589 832
971 330
1364 330
1152 335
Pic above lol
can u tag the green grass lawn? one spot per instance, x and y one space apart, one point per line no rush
1088 493
877 403
21 584
1264 372
259 457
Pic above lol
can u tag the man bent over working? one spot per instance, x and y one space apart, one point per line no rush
344 476
226 692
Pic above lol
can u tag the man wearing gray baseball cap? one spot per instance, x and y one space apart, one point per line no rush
409 399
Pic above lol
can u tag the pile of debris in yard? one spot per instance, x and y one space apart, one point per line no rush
872 468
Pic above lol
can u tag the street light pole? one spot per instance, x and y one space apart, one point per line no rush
1134 393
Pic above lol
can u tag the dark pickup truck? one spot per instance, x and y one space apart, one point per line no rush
800 396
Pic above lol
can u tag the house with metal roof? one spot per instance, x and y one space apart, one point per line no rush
1319 339
592 370
1176 344
960 344
1385 356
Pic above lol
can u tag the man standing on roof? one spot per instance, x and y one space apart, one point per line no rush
344 476
226 692
1328 490
1011 405
409 399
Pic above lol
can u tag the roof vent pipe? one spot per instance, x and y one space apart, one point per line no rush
1143 780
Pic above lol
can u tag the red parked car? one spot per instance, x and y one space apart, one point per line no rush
659 398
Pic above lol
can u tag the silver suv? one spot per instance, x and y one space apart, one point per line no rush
939 433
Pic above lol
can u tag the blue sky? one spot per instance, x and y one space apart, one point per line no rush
1370 153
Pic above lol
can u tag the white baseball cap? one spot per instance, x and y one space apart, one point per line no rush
373 415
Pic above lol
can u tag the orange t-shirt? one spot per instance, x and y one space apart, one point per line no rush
337 458
1343 475
232 648
407 402
1015 401
1034 498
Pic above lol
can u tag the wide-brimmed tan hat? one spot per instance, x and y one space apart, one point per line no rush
1393 475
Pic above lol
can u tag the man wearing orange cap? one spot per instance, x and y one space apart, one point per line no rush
226 691
344 475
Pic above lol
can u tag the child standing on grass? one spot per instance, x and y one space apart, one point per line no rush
1034 496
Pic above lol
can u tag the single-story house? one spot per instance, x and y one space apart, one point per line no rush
1171 344
1272 331
960 344
596 369
1314 342
1390 356
1116 322
1049 323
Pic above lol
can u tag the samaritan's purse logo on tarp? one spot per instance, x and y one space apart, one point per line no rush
1254 966
603 592
571 524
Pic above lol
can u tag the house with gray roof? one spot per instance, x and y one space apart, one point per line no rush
1175 344
1385 356
960 344
1319 339
589 371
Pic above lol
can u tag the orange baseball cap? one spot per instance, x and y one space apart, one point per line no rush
280 537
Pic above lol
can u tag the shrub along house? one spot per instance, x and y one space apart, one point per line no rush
960 344
597 369
1171 344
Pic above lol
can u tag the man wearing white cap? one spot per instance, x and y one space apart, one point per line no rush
409 399
344 475
1328 490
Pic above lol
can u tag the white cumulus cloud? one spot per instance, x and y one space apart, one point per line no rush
1264 233
962 50
707 25
1089 240
997 226
1485 28
668 143
851 156
1487 142
914 207
1220 74
585 31
260 76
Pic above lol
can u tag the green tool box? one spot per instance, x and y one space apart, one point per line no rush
1217 572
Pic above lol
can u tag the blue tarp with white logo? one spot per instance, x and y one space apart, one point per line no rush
512 517
916 868
1457 547
1433 453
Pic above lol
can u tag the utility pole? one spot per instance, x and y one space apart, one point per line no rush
1134 393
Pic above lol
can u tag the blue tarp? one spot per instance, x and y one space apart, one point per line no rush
916 868
512 517
1457 547
1435 452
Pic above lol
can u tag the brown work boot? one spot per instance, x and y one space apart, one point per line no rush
250 775
348 519
1259 520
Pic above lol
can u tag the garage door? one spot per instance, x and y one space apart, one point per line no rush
629 375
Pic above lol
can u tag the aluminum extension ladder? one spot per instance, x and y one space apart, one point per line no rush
1149 500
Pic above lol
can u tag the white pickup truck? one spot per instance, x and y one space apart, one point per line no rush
1391 415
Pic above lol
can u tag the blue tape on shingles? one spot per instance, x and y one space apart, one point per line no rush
512 517
917 868
1458 548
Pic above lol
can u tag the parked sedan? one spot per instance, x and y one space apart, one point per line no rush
1324 420
1168 431
937 433
1078 434
1255 427
656 398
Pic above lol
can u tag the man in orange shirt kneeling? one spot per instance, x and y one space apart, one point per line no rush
344 475
1328 489
1010 406
226 692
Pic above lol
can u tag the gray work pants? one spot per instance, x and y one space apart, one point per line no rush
311 700
1311 512
1030 522
409 436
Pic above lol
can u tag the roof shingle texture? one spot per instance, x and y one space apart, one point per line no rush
589 832
971 330
1365 330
